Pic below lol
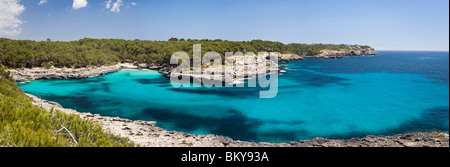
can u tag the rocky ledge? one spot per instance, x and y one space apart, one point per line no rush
146 134
233 65
289 57
334 54
32 74
26 74
228 73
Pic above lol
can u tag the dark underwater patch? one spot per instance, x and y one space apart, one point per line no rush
87 105
345 84
80 81
151 81
284 136
292 123
106 87
313 79
322 80
234 92
236 126
83 102
80 104
101 87
433 119
289 87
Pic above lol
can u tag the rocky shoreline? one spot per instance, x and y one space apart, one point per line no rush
146 134
25 74
334 54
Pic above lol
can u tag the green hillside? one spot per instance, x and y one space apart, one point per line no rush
96 52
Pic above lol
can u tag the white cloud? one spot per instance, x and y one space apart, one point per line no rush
77 4
116 6
42 2
9 21
108 4
133 3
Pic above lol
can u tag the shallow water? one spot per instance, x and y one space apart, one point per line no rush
394 92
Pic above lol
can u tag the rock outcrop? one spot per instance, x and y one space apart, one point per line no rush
235 68
430 139
31 74
166 71
247 65
289 57
334 54
146 134
25 74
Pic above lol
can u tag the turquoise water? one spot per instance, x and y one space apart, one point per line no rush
394 92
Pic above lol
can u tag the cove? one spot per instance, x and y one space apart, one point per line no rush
394 92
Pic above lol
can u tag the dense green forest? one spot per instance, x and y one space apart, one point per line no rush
24 125
96 52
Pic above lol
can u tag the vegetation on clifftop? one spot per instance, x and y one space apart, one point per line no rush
96 52
24 125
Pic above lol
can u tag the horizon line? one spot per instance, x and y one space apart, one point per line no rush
413 50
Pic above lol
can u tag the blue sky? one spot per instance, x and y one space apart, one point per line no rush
383 24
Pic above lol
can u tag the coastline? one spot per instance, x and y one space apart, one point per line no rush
334 54
25 74
32 74
146 134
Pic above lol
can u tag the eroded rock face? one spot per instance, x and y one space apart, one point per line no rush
166 71
247 66
31 74
289 57
235 68
21 75
333 54
284 57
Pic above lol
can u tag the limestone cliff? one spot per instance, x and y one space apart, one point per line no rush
334 54
61 73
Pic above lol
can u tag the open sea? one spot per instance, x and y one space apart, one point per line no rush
391 93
